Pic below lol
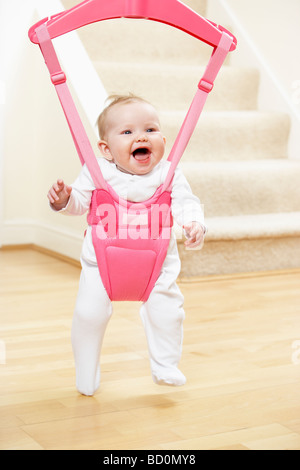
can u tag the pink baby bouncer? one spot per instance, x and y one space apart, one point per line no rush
130 261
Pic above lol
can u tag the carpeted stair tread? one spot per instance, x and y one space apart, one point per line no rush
121 39
172 87
254 226
231 135
249 187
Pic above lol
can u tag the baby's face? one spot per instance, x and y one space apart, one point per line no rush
133 140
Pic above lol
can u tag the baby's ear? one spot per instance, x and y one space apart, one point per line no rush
105 150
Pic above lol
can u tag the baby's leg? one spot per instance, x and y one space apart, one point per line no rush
162 317
91 315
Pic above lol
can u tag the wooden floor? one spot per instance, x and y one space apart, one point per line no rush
241 357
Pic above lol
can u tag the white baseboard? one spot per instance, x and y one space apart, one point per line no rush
29 231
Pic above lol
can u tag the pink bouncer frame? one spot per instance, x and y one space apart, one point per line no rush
171 12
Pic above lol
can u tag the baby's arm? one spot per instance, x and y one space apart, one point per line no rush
59 195
75 199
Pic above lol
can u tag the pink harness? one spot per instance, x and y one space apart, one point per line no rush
131 239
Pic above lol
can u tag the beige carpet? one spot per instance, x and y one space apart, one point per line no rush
237 159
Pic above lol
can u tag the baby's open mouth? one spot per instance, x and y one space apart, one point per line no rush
141 154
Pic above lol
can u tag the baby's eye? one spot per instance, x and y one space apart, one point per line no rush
151 130
126 132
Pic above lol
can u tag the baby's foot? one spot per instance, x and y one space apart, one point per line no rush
87 389
171 376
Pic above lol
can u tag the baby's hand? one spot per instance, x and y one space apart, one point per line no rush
195 235
59 195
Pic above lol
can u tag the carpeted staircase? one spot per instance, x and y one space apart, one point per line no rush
237 159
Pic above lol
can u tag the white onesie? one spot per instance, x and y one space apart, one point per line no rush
162 314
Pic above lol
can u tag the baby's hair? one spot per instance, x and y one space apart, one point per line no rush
113 100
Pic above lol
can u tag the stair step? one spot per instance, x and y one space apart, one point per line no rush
249 187
173 87
241 256
245 244
198 5
232 135
125 39
254 226
244 227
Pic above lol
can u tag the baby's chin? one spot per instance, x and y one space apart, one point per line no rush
137 169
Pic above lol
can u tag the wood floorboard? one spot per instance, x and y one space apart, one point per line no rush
241 357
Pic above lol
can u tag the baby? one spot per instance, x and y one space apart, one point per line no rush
133 147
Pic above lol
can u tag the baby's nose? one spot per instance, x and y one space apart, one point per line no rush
142 137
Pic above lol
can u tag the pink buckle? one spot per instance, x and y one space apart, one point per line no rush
58 78
205 86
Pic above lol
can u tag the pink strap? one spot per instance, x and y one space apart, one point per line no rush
204 88
58 78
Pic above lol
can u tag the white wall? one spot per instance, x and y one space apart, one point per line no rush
274 27
37 147
268 36
12 32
